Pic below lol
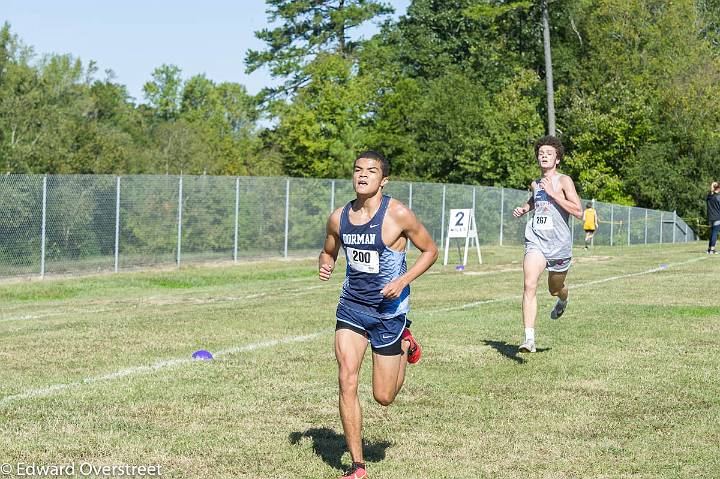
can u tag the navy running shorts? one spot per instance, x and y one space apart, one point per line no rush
383 334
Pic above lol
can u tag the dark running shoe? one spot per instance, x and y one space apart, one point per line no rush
558 310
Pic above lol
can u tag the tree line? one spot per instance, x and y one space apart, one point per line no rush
451 91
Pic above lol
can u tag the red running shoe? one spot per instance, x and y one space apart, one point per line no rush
414 352
356 471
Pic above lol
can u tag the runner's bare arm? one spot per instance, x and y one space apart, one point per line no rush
566 197
331 247
527 207
414 230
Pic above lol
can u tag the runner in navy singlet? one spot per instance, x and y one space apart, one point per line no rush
373 230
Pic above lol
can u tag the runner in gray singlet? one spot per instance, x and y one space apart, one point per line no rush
548 242
548 232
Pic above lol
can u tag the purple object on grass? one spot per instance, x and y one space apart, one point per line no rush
663 265
202 354
460 267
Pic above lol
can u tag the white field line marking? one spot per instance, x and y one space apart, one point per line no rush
571 286
164 364
630 275
26 317
468 305
157 301
152 301
497 271
49 390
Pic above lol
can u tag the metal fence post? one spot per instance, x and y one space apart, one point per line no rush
628 226
674 226
442 219
155 226
117 224
180 208
592 240
42 230
502 213
332 196
410 195
287 216
612 223
237 218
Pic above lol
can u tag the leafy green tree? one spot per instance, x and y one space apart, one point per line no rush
320 107
56 117
308 28
163 93
709 11
321 130
112 137
451 104
40 111
466 134
226 116
655 113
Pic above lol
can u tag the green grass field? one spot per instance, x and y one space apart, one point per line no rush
626 384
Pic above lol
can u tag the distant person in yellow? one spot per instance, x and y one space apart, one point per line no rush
590 223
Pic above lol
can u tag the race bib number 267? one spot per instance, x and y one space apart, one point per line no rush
543 222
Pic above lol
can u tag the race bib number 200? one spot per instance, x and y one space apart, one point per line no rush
366 261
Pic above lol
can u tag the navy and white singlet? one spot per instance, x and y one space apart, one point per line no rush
370 266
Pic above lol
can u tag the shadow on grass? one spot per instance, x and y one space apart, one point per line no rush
330 446
510 351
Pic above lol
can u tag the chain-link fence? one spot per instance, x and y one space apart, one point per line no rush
72 223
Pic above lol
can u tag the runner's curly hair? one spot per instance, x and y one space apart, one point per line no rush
550 141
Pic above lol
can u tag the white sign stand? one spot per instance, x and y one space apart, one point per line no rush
462 225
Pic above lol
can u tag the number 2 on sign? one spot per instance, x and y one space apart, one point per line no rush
460 216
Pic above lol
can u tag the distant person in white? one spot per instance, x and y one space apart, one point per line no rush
548 240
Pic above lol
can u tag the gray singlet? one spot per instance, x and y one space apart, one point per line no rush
548 232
